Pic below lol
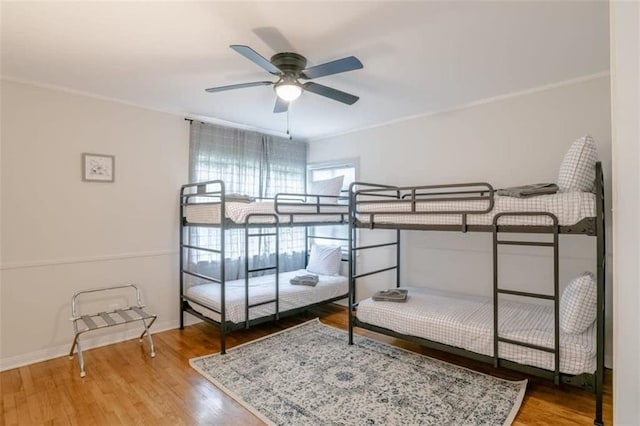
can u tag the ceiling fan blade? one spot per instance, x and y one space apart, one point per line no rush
336 95
280 106
255 57
334 67
238 86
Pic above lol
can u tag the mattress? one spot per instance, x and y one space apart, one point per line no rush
569 207
467 322
262 289
238 212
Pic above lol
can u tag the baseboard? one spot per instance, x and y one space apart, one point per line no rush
88 342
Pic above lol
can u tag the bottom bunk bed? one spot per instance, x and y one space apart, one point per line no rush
466 322
204 299
236 304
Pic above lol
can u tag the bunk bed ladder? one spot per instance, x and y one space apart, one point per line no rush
247 236
497 291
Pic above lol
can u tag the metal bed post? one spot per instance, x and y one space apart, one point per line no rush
398 248
181 250
398 258
246 273
278 266
601 276
355 265
496 358
223 278
306 244
351 265
556 303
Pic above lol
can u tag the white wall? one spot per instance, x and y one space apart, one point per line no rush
61 235
511 141
625 105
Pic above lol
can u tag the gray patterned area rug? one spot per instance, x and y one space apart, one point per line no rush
309 375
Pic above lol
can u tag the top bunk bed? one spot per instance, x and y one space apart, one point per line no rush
203 204
478 207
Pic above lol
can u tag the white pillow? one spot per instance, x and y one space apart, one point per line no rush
326 187
578 304
578 168
324 260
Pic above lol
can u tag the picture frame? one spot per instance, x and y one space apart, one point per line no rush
98 167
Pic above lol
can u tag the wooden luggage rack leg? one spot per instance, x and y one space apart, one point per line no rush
105 319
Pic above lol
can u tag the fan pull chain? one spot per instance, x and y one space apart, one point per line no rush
288 131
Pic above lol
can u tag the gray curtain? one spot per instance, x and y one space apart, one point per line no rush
257 165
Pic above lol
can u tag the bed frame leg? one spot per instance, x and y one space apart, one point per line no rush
350 322
223 339
181 315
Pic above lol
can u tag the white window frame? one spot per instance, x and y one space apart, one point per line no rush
334 164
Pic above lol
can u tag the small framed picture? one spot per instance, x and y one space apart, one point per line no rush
98 168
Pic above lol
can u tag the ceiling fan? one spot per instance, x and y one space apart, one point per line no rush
290 68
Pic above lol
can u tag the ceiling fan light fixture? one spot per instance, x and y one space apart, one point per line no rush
288 90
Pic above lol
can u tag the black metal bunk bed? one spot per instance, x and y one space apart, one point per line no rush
284 211
363 195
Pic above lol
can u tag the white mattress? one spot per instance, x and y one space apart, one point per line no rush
262 289
467 322
238 212
569 207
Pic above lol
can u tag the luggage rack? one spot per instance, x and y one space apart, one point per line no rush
100 320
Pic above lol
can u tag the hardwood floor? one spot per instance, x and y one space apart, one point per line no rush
124 386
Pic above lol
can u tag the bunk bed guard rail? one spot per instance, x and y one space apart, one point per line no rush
375 200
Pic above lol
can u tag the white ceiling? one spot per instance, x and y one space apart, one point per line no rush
419 57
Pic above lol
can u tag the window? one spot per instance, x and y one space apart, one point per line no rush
321 171
257 165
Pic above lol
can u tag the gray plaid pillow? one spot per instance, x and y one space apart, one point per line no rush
578 168
578 308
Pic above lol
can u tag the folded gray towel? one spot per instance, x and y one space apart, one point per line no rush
391 295
238 198
525 191
307 279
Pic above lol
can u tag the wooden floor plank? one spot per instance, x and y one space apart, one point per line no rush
9 409
22 408
124 385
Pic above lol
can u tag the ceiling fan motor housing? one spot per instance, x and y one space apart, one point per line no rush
289 62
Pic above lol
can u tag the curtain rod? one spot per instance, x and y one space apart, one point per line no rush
288 135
